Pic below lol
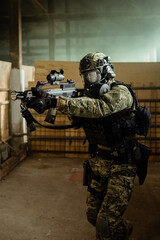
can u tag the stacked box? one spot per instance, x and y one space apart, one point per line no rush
5 70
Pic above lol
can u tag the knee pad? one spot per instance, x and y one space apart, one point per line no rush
102 226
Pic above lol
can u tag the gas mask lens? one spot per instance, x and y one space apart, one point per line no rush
92 76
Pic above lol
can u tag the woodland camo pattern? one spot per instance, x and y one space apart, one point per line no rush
117 99
117 180
116 188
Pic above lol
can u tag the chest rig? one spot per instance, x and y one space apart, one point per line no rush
112 131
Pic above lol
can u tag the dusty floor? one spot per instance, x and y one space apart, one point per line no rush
43 198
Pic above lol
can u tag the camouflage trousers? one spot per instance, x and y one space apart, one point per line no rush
109 197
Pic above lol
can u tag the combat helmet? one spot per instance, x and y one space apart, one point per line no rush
97 61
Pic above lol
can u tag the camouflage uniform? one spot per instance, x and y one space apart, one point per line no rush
114 187
117 99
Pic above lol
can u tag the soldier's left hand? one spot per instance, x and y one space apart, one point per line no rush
42 101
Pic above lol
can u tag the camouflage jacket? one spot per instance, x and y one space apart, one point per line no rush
117 99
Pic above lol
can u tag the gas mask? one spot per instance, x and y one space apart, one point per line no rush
96 70
91 77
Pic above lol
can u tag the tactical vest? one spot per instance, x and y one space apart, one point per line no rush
111 131
118 131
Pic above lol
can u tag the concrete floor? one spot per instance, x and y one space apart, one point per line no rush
43 198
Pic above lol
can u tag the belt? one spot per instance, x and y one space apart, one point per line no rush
102 147
119 156
111 155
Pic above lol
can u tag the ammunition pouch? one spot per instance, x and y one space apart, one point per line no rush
140 155
143 164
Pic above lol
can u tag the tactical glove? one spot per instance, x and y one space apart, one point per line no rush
42 101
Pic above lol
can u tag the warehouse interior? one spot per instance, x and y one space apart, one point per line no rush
41 191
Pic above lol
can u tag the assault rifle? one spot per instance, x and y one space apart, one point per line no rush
54 78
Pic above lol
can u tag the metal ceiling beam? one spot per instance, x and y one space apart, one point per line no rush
15 33
67 30
38 6
81 16
51 24
89 16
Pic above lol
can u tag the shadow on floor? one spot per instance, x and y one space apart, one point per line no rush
43 198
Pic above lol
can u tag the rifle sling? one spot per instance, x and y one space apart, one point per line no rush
29 118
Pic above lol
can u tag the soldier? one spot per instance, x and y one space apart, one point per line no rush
103 113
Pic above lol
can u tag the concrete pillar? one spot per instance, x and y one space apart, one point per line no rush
17 83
